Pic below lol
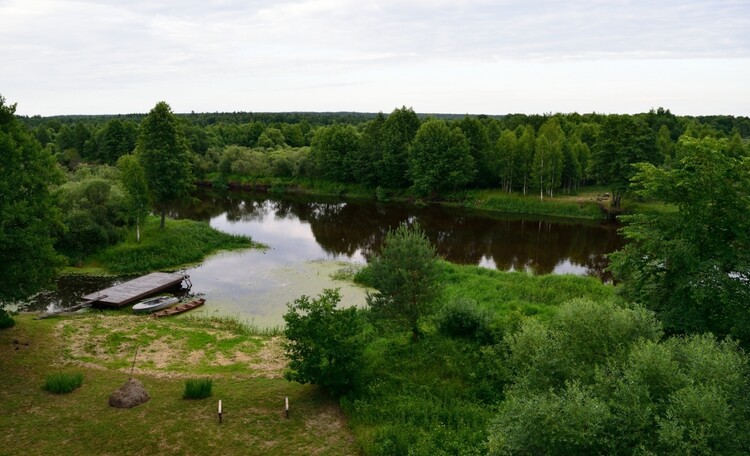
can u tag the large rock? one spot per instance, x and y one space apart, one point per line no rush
129 395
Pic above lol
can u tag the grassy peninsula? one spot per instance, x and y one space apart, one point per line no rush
181 243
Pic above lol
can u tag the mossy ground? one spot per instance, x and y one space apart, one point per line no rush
35 422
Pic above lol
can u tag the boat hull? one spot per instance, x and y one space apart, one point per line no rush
154 304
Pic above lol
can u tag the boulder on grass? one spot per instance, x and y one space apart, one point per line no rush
129 395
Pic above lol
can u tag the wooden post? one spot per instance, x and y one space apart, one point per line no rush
286 406
219 410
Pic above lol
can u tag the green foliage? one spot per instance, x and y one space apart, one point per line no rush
63 382
29 219
464 318
405 275
623 141
324 344
164 155
94 211
399 130
691 266
133 179
6 321
440 159
185 242
597 379
547 167
480 149
197 388
334 151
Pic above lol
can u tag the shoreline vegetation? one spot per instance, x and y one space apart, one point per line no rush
246 366
588 203
182 243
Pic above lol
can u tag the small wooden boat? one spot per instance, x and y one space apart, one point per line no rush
154 304
179 308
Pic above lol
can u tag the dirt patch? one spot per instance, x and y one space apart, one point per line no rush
162 346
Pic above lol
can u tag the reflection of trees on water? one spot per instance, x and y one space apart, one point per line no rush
459 236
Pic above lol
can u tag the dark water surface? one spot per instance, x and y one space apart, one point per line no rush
311 238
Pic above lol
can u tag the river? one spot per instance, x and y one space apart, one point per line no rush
311 239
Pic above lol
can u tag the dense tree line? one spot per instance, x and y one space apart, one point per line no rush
432 156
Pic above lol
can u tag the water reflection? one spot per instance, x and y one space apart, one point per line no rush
308 238
307 228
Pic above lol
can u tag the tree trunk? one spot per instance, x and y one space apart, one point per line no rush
163 216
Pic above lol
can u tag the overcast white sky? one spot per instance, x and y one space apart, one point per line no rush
458 56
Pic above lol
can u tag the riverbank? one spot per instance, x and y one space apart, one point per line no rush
180 244
246 370
589 203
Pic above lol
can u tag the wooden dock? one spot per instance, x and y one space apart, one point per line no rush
133 290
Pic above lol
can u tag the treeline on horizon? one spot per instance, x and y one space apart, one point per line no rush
432 155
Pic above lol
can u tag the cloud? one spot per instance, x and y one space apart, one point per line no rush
133 49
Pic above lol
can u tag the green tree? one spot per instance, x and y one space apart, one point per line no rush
398 132
334 150
664 144
324 344
439 159
133 179
598 379
572 171
369 157
548 157
165 158
508 163
29 218
405 275
622 142
691 266
480 149
526 145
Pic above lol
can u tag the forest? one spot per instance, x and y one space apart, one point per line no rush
449 359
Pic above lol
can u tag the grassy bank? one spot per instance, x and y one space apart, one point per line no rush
181 243
438 396
587 204
246 374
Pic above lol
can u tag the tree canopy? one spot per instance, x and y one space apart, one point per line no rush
29 218
164 154
692 266
405 275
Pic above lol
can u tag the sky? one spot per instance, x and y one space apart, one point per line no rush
458 56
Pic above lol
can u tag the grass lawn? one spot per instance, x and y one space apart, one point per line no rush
246 372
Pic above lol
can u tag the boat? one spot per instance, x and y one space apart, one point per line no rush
180 308
154 304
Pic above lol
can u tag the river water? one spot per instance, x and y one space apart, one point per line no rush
311 239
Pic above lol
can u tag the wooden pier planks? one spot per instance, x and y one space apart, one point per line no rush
133 290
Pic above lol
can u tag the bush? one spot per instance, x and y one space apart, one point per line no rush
6 321
463 318
63 382
324 344
197 388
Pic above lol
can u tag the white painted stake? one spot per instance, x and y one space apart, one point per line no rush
286 406
219 410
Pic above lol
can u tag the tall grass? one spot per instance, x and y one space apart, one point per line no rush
181 242
63 382
197 388
232 324
438 395
528 204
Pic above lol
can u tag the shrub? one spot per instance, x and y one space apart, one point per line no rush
324 343
463 318
63 382
197 388
6 321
